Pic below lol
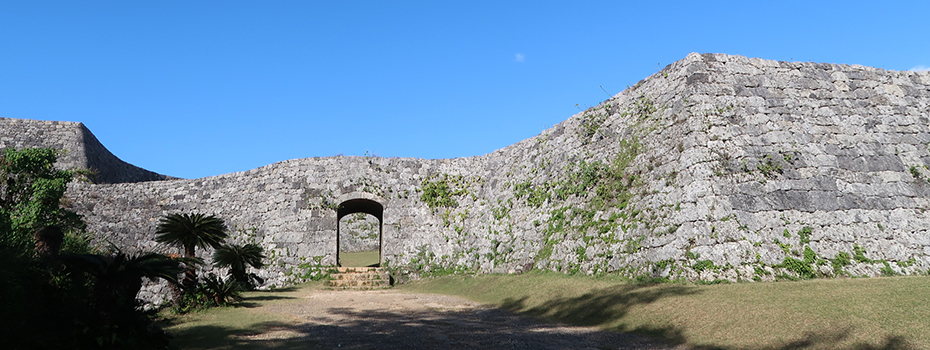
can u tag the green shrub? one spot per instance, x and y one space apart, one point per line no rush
841 259
859 254
703 265
802 268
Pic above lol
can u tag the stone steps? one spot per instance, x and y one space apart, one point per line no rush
359 278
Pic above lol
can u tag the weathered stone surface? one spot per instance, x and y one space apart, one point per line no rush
734 165
84 151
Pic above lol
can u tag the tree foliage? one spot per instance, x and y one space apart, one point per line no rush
238 258
53 294
191 230
31 189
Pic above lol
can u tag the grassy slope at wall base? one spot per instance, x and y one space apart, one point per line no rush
851 313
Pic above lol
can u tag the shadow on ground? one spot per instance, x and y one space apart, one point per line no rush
603 307
598 307
508 327
253 301
472 329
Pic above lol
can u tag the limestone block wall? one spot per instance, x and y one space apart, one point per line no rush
360 232
717 166
781 148
84 151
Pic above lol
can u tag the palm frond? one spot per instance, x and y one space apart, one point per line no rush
191 230
237 258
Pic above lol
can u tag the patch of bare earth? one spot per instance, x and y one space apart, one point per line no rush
387 319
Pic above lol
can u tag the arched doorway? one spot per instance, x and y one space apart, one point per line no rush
359 228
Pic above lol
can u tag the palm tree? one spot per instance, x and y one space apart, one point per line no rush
237 258
190 231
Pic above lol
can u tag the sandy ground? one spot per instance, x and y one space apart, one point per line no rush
389 319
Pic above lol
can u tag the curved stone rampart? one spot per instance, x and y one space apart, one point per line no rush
83 150
717 166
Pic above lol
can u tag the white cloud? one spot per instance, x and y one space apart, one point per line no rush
520 58
920 68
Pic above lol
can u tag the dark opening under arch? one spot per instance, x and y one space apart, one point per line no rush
360 205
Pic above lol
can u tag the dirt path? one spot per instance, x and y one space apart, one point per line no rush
389 319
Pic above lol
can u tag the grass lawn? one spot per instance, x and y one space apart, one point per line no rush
230 327
861 313
360 259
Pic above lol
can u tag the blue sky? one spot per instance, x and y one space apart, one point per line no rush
200 88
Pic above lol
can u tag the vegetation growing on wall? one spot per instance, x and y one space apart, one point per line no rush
424 263
320 199
368 185
440 191
595 197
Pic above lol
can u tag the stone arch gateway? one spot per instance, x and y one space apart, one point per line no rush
360 205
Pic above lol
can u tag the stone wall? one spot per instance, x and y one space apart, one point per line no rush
359 232
715 167
84 151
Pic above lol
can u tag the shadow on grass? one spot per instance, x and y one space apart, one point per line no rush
347 328
606 307
825 339
495 328
280 290
600 306
254 301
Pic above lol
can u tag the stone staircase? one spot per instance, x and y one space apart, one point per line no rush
359 278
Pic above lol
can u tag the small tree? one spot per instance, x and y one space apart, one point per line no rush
237 258
190 231
51 297
31 189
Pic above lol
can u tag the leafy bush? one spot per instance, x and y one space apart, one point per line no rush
703 265
802 268
54 294
237 258
438 193
212 292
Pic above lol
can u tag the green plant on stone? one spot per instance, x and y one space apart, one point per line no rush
859 254
316 271
703 265
31 192
590 124
907 263
840 260
805 234
886 270
801 267
438 192
769 167
809 255
784 246
500 212
691 255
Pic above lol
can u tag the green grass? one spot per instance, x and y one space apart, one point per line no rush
230 327
360 259
868 313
